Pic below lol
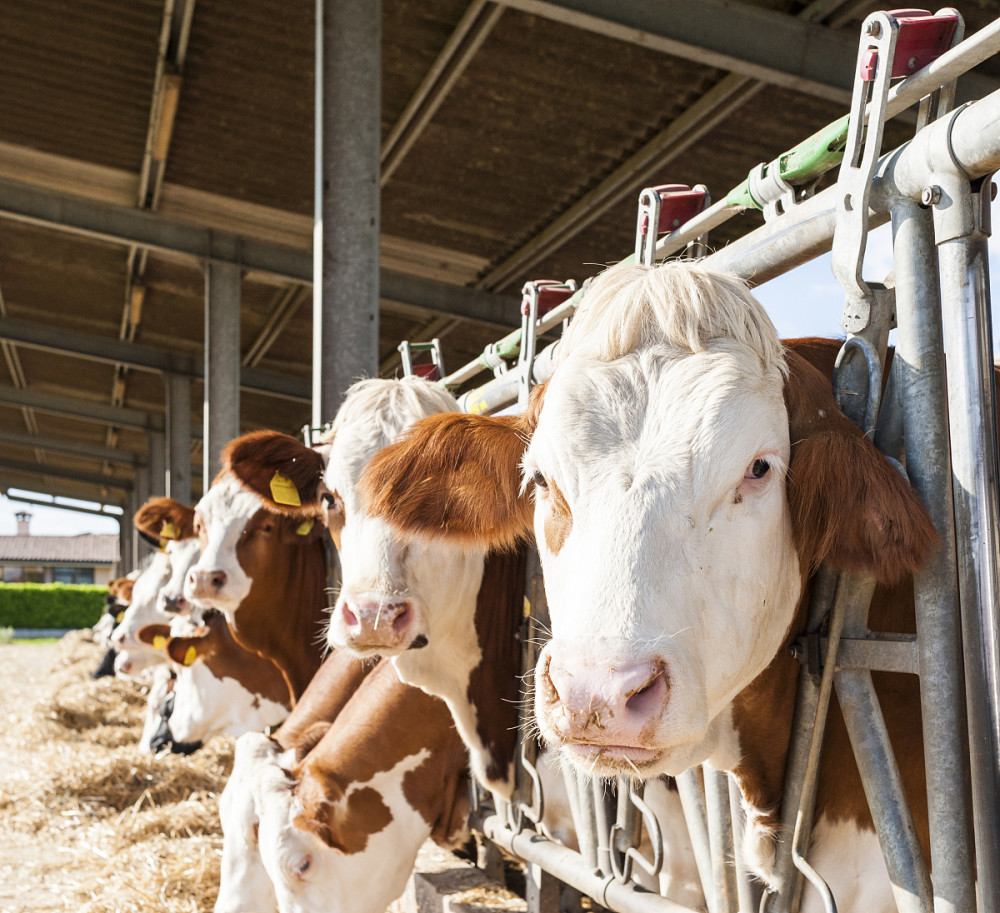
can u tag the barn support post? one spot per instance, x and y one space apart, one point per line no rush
961 230
221 399
919 369
179 437
157 460
140 547
126 561
346 227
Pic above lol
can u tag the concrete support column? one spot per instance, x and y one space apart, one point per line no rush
126 552
157 459
179 437
140 547
345 237
222 364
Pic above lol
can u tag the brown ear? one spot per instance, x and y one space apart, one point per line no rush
125 590
849 505
155 515
456 477
149 633
257 457
185 650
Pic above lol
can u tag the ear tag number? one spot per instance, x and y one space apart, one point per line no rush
190 655
168 531
283 491
305 527
159 642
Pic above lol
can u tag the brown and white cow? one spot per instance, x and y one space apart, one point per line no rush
244 885
688 474
219 687
339 828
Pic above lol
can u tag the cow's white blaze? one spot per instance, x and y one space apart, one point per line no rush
673 577
221 517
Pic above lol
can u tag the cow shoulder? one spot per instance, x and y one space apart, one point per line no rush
849 505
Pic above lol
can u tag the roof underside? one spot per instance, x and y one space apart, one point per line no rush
544 117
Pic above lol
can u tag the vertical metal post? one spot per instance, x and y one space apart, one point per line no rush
157 457
346 228
221 400
919 372
972 410
692 797
127 562
720 838
179 437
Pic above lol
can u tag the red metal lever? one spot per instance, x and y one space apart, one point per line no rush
923 37
551 293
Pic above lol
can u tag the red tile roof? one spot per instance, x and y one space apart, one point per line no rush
87 548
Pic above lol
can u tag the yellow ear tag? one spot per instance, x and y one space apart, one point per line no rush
168 531
119 617
190 655
159 642
305 527
283 491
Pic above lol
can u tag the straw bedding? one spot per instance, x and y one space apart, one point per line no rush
87 823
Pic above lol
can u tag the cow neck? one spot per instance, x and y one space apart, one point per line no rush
494 685
327 694
282 614
257 674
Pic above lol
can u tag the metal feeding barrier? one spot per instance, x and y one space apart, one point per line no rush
937 418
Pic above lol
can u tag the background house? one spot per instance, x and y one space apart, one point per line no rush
85 558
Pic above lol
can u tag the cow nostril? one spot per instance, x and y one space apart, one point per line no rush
549 689
643 698
350 619
219 579
402 621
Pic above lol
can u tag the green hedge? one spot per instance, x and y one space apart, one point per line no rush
50 605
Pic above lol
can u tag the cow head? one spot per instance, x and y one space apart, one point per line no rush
377 610
686 478
168 521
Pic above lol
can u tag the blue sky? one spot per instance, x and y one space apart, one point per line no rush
805 302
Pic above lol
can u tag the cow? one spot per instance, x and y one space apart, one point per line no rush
341 817
244 884
171 524
272 489
684 474
219 687
116 602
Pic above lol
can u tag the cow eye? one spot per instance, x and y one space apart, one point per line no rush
539 480
333 502
758 470
302 866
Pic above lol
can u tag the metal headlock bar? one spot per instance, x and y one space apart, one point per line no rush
936 419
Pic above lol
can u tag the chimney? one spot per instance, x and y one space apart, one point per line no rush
23 521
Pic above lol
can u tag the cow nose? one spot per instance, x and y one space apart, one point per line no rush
206 583
378 622
603 705
176 604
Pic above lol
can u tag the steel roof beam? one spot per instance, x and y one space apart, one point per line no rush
77 508
69 475
74 448
123 225
775 48
146 358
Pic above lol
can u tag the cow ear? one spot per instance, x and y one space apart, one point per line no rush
284 472
154 635
850 507
456 477
164 518
186 650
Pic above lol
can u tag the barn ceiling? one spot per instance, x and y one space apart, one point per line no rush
137 134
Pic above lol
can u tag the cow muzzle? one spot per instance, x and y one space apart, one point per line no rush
602 714
368 624
205 584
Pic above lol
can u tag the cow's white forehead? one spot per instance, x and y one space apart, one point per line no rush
675 420
228 501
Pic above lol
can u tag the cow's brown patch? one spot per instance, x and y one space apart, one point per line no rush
348 828
558 520
151 518
456 476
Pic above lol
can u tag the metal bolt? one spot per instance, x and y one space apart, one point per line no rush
911 63
873 29
930 196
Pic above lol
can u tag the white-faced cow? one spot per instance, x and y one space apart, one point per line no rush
688 474
219 687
